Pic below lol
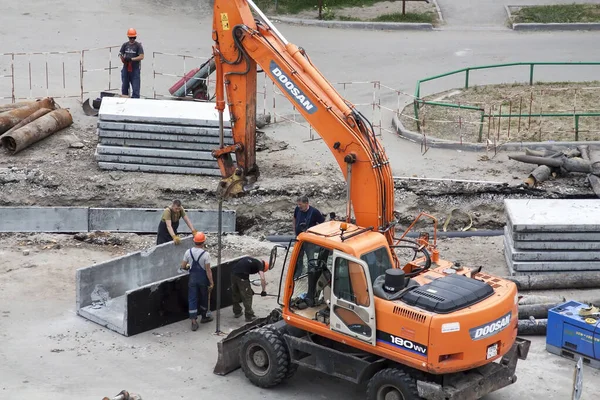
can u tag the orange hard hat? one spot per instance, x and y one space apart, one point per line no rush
266 266
131 32
199 237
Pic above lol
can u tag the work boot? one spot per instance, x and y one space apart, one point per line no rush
194 325
250 318
237 315
206 319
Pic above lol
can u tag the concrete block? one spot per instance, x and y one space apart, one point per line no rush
145 291
157 144
160 128
163 136
43 219
549 255
188 113
551 215
147 220
158 169
173 162
149 152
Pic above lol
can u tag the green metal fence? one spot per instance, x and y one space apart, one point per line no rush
418 102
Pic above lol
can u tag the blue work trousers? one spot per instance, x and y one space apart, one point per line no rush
130 78
197 299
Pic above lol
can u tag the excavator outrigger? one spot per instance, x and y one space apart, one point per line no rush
350 307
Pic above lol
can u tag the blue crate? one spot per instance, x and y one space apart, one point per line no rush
572 336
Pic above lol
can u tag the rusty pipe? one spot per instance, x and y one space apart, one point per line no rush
37 130
8 119
12 106
31 118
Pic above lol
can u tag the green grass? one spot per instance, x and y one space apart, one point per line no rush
559 13
408 17
295 6
344 18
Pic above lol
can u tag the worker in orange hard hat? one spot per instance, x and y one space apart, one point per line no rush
197 261
131 54
240 284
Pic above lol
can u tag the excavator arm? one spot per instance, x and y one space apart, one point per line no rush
243 41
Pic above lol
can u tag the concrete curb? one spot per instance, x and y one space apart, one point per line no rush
383 26
439 12
534 26
449 144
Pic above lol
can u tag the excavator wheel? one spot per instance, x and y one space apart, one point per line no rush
392 384
292 368
264 357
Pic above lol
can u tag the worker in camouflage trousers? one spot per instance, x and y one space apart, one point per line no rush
240 284
197 261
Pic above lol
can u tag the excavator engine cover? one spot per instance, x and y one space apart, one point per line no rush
448 294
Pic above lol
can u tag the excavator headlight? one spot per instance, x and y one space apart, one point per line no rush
343 226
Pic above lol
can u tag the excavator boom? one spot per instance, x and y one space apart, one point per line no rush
243 41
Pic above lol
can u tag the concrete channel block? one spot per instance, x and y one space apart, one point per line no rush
139 291
44 219
141 220
161 128
214 141
187 113
551 215
547 267
563 237
158 169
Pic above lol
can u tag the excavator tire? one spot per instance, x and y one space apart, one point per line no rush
264 357
392 384
292 368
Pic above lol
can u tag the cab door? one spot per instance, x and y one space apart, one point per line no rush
352 305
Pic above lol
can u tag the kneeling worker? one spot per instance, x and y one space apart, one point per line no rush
169 223
240 284
197 260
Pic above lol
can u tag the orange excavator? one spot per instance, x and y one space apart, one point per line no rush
350 306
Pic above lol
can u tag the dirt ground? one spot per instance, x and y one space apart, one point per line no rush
514 99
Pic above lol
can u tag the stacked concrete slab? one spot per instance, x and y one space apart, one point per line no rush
549 236
167 136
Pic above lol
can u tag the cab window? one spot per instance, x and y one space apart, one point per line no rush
378 262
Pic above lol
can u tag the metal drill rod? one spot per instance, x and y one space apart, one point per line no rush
219 231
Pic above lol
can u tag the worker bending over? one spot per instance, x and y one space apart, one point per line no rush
169 223
197 261
240 284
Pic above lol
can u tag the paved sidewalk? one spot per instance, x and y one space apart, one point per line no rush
486 14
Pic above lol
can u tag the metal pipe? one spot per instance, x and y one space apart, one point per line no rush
10 118
264 19
37 130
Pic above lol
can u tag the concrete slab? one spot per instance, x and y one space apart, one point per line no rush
543 215
562 237
173 162
549 245
142 220
161 128
109 315
43 219
549 255
157 144
188 113
158 169
149 152
163 136
532 268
